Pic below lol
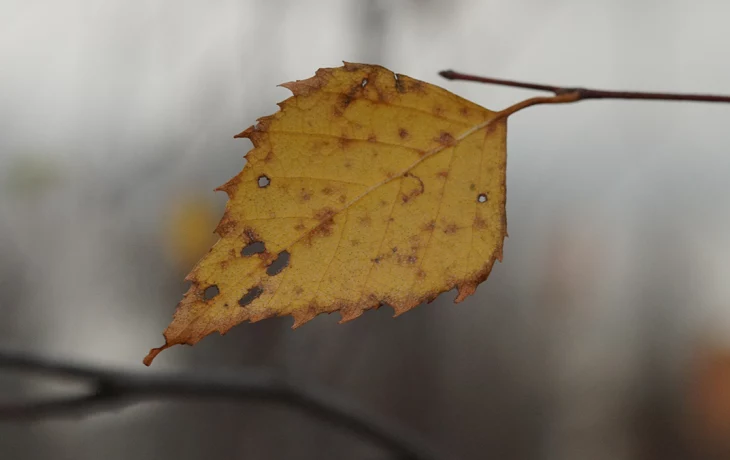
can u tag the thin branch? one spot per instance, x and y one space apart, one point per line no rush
579 94
122 388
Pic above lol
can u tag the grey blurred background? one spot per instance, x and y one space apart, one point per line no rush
605 334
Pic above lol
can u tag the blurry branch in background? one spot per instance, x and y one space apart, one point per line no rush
572 94
109 388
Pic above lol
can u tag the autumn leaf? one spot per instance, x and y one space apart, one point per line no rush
366 188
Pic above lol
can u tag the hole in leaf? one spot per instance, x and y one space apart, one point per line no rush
482 198
264 181
252 294
364 82
210 292
256 247
281 262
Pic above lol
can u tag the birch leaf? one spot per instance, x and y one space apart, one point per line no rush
366 188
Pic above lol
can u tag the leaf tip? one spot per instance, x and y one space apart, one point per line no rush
255 132
229 187
465 290
399 308
153 354
353 66
246 133
349 314
301 317
309 85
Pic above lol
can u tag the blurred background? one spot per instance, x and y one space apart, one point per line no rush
604 334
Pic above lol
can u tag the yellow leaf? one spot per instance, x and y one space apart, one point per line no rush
378 188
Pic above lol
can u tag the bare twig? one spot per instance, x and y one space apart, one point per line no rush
122 388
579 94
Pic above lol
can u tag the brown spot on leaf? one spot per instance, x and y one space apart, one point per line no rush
429 226
305 195
343 101
405 84
327 191
382 96
438 111
344 141
250 235
420 274
266 257
464 111
442 174
403 259
372 138
479 222
413 187
226 226
300 227
403 133
451 229
446 139
399 86
416 86
353 66
324 214
348 164
324 228
342 199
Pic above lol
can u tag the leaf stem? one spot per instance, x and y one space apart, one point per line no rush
579 94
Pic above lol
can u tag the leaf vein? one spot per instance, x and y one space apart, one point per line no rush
438 213
334 254
382 240
407 107
351 139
